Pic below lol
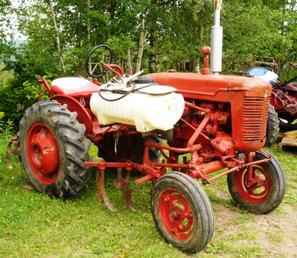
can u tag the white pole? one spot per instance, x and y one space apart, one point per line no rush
217 40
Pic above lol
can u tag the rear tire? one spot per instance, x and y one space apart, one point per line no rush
53 148
261 196
273 127
182 212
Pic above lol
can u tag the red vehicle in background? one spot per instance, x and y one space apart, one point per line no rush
284 96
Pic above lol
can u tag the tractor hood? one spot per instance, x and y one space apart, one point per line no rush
248 98
194 83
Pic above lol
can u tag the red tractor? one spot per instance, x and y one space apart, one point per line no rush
199 128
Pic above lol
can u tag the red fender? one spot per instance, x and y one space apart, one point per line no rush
83 114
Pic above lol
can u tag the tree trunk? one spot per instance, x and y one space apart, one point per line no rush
152 55
89 23
141 46
130 68
58 36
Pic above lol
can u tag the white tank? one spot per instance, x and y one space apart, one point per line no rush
148 108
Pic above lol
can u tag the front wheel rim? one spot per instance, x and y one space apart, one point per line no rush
176 214
255 188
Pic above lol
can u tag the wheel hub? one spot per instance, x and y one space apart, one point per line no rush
42 153
176 214
255 185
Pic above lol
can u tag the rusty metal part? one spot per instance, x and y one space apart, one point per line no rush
193 128
207 168
192 148
101 192
223 143
122 183
238 168
198 131
198 108
205 51
44 83
249 158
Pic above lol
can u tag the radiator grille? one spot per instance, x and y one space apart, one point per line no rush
254 119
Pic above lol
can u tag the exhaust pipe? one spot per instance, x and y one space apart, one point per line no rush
217 40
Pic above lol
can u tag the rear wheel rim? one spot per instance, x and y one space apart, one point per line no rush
176 214
42 153
255 188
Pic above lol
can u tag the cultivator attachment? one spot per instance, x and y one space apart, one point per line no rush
122 183
101 192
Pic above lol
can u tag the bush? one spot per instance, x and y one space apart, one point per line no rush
15 97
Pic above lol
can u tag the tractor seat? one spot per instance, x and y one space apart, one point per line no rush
73 86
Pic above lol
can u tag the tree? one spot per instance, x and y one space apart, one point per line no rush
153 35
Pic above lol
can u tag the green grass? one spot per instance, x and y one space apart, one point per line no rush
34 225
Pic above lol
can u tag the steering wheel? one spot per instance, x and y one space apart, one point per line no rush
99 63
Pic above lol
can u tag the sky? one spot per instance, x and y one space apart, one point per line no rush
15 2
17 37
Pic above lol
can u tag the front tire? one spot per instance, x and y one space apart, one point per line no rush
273 127
182 212
53 148
264 192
